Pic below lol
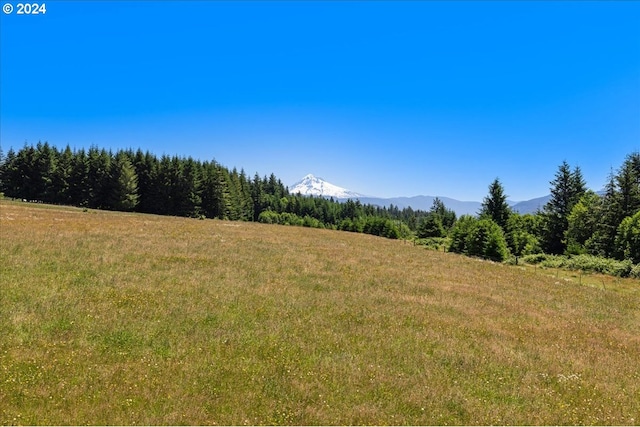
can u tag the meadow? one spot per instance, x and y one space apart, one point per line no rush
115 318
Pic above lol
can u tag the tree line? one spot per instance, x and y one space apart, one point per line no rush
139 181
575 221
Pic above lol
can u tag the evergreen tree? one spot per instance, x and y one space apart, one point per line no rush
10 175
216 200
566 190
146 168
246 202
447 216
459 232
257 196
60 180
602 242
28 185
42 169
98 178
628 186
124 194
78 179
186 187
431 226
495 205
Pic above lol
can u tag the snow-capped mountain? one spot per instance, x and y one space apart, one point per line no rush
311 185
314 186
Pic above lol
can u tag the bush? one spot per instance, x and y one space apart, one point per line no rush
483 238
535 258
269 217
435 243
486 240
588 263
628 238
459 233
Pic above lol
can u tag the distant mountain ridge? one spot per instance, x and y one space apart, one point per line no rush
311 185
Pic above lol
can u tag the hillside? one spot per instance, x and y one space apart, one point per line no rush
113 318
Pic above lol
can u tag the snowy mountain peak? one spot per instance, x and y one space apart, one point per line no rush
314 186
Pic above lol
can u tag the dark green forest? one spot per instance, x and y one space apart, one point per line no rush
576 224
141 182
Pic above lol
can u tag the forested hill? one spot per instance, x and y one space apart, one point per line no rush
141 182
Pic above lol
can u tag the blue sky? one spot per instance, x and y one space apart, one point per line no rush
384 98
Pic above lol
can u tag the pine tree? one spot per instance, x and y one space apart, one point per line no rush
566 190
10 177
628 186
124 194
216 201
187 187
78 179
146 168
98 178
62 176
495 205
447 216
246 203
430 226
602 242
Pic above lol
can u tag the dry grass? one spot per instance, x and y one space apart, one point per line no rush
111 318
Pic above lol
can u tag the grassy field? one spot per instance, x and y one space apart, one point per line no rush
112 318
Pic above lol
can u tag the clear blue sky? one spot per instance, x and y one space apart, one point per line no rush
383 98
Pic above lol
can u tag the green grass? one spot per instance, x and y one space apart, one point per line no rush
111 318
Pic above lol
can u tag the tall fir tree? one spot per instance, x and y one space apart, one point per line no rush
566 190
124 193
628 186
60 180
495 206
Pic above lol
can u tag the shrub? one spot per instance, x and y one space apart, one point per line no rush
628 238
430 226
435 243
535 258
486 240
588 263
459 233
269 217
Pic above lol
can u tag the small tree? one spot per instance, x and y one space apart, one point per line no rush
628 238
459 233
486 239
430 226
447 216
522 235
582 222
